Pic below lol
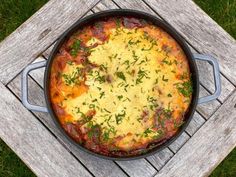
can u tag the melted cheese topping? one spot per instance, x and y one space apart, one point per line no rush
135 79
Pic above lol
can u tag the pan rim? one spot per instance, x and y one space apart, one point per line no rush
125 12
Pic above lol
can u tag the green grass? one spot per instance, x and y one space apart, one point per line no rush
10 163
14 12
222 11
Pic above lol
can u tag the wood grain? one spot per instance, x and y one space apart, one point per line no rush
161 158
207 109
179 142
32 142
200 31
47 52
37 33
104 5
209 145
97 166
137 168
196 122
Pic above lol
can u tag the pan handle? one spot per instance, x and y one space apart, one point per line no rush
24 87
216 73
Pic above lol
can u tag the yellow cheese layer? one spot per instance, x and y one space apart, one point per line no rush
134 77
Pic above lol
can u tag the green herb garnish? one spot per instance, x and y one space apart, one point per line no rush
121 75
119 117
76 46
185 88
163 78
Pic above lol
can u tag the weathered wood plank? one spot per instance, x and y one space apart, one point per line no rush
179 142
208 146
104 5
97 166
47 52
200 31
137 168
38 73
37 33
32 142
196 122
159 159
207 109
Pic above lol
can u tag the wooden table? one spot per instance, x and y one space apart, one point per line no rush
33 136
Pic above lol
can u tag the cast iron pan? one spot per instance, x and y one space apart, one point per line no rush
133 13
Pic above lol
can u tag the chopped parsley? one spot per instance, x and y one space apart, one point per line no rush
120 97
118 22
147 131
185 88
141 74
163 78
74 78
166 61
106 134
119 117
102 94
76 46
121 75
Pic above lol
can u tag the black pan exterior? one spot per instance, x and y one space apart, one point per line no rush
138 14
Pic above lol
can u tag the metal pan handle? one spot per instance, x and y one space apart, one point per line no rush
24 87
216 73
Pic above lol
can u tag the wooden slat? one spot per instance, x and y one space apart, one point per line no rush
104 5
207 109
38 73
97 166
209 145
200 31
37 33
179 142
47 52
159 159
137 168
32 142
195 123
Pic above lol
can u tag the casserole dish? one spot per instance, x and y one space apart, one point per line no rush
127 138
